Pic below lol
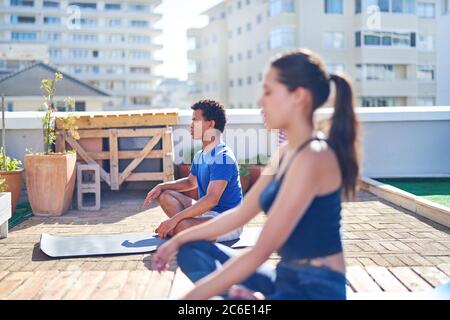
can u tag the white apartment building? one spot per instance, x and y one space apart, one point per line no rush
108 44
386 46
443 49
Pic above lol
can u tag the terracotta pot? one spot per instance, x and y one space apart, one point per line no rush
245 183
50 181
183 170
255 172
13 180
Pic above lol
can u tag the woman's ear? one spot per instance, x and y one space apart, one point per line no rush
302 96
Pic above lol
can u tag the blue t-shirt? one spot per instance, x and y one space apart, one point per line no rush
218 164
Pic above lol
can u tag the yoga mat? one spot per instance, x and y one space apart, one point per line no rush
117 244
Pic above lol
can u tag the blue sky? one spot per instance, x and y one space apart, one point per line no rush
178 16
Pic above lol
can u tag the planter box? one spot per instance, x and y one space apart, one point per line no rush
13 181
5 213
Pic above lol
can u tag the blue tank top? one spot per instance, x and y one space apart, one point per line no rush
318 232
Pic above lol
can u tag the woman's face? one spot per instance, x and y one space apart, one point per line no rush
277 103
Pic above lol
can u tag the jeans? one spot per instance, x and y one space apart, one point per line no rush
285 282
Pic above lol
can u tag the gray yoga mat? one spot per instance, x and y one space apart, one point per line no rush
117 244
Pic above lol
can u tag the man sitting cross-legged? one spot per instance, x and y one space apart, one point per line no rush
214 172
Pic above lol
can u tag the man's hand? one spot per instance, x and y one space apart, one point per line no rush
152 195
166 227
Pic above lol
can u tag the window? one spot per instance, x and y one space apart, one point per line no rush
239 4
112 6
426 42
239 30
52 20
386 39
114 22
446 7
240 82
249 27
334 7
139 70
23 36
380 72
84 5
22 20
335 67
394 6
283 37
249 80
334 40
230 59
239 56
258 19
231 83
138 23
140 55
55 53
137 7
52 36
260 76
145 39
426 101
426 10
260 47
277 7
21 3
88 22
378 102
247 2
84 37
10 106
426 73
249 54
50 4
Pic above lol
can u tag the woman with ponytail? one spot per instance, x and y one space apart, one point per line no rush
300 190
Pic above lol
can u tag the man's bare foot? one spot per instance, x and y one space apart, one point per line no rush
241 292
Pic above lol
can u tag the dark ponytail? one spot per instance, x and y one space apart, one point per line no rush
343 134
304 68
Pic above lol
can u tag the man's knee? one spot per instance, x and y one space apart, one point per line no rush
165 197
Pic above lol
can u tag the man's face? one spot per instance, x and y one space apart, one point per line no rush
200 126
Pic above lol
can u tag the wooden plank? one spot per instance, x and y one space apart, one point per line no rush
104 155
148 176
59 286
83 154
85 286
3 274
60 146
433 275
142 154
11 282
360 280
114 159
135 285
32 285
181 285
386 280
123 133
410 279
159 285
168 159
110 286
121 121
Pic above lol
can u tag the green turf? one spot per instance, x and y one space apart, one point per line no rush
436 190
23 212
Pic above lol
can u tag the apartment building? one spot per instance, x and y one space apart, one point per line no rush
443 48
108 44
388 47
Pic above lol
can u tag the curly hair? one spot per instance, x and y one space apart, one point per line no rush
212 110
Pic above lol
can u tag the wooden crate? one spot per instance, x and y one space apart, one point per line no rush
114 126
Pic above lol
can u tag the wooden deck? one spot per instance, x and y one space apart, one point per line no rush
387 249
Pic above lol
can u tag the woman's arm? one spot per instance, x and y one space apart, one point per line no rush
297 191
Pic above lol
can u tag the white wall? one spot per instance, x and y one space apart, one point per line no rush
396 142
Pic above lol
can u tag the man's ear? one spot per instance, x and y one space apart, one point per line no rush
213 124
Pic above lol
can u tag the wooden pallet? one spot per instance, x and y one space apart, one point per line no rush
120 125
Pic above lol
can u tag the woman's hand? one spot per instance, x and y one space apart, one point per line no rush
152 195
163 255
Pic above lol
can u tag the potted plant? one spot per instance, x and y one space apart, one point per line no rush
244 176
255 167
50 176
11 172
5 209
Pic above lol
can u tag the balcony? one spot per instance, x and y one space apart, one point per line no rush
388 248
